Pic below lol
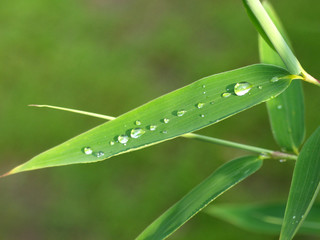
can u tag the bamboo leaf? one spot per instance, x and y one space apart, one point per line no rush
286 112
266 218
304 188
199 197
185 110
273 37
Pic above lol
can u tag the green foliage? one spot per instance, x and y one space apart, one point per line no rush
262 218
204 103
199 104
304 187
216 184
286 112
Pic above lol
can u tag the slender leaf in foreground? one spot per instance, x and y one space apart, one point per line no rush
266 218
304 188
217 183
185 110
286 112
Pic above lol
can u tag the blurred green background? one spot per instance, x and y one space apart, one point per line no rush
109 56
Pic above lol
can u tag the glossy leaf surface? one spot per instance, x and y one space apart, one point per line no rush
185 110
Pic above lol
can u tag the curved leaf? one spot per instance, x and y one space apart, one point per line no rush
174 114
304 188
217 183
266 218
286 112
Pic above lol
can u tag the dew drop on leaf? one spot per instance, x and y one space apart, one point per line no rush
152 127
99 154
274 79
166 120
123 139
138 122
87 150
226 94
200 105
242 88
181 113
137 132
111 143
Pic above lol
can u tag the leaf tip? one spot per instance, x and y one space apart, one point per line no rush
6 174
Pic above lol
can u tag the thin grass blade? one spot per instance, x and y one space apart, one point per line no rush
216 184
304 188
266 218
185 110
286 112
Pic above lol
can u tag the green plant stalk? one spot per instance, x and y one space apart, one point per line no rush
266 152
277 41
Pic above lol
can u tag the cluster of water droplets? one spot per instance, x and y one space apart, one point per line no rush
239 89
89 151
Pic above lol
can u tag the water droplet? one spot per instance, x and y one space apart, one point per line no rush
203 86
282 160
123 139
279 106
137 132
226 94
202 115
164 131
200 105
242 88
166 120
294 217
111 143
181 113
212 102
204 92
152 127
274 79
87 150
138 122
259 87
99 154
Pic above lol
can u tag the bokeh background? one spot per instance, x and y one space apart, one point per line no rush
109 56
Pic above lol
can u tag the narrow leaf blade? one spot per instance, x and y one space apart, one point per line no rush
304 188
272 36
266 218
208 91
217 183
286 112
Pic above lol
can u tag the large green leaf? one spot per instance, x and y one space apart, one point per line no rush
266 218
217 183
304 188
184 110
286 112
